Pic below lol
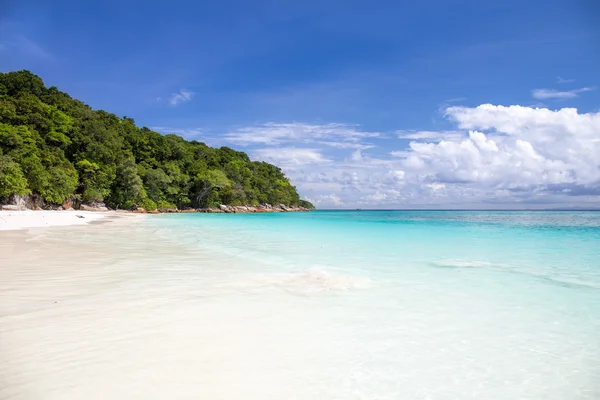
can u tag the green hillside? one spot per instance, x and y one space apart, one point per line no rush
56 148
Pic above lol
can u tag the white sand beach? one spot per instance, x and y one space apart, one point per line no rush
14 220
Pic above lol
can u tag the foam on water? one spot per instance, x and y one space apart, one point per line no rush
340 305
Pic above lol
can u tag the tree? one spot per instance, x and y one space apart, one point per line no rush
12 180
128 188
207 183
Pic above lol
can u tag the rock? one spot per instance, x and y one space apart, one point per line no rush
68 204
168 210
11 207
240 209
26 202
140 210
93 207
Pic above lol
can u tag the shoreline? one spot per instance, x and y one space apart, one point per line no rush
28 219
12 218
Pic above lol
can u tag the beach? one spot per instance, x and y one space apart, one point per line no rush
300 305
15 220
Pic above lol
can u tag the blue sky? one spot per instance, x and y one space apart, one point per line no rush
335 88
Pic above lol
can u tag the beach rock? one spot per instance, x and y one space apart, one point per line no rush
140 210
168 210
243 209
68 204
99 206
10 207
27 202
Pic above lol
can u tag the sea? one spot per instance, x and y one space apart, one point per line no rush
318 305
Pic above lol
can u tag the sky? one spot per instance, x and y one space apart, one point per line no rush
389 104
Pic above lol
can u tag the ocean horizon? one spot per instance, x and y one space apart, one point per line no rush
326 304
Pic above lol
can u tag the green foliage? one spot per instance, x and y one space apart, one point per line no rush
162 204
306 204
56 147
12 180
148 204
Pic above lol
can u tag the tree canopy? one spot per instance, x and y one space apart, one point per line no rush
55 147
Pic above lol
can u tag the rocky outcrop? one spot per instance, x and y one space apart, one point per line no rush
251 209
98 206
168 210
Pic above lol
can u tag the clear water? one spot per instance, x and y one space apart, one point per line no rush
419 304
341 305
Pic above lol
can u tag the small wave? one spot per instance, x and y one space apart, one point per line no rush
317 280
549 277
306 282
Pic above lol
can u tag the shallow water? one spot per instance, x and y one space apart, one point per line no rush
331 305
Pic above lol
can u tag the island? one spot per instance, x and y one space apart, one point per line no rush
58 153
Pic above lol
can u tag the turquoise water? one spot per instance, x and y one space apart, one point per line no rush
321 305
440 305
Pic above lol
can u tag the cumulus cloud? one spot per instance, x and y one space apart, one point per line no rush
545 94
181 97
524 149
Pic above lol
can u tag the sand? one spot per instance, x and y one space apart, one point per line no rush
15 220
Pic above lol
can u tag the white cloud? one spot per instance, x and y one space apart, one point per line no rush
525 149
455 100
544 94
434 136
436 186
181 97
497 156
291 156
563 80
335 135
328 200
